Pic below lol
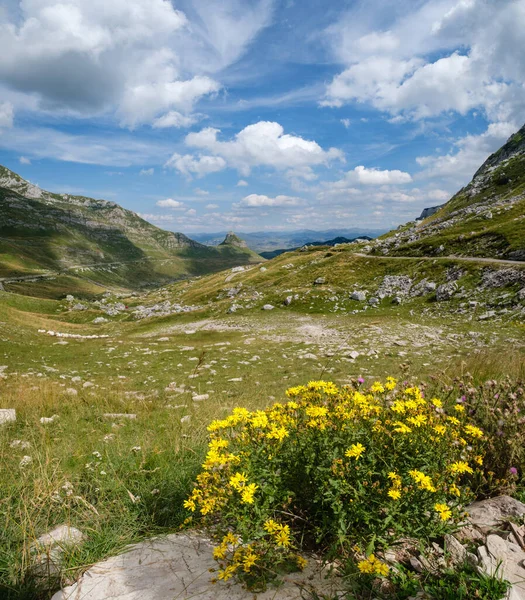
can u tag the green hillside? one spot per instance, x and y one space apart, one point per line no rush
95 242
485 218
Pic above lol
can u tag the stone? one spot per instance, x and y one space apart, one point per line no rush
456 552
353 354
373 301
268 307
200 397
396 300
71 392
490 314
99 320
446 291
288 300
309 356
489 514
47 420
320 281
7 415
120 416
178 566
358 295
521 295
47 550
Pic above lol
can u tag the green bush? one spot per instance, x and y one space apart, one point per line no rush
342 470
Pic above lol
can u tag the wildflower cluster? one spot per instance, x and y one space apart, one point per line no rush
332 466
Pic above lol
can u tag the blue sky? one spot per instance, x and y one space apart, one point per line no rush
203 115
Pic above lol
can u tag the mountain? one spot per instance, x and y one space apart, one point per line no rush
485 218
268 241
60 235
338 240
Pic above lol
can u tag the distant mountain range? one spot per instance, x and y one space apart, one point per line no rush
67 237
268 241
338 240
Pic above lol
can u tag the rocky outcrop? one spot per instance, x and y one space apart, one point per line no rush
428 212
233 240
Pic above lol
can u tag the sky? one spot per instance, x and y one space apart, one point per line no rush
252 115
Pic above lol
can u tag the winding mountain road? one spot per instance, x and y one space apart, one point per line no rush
498 261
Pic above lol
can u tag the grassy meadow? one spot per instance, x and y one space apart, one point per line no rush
121 479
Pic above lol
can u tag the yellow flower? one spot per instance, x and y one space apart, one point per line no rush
316 411
437 402
377 387
394 494
228 572
190 505
249 560
443 510
478 460
238 481
424 482
460 467
453 420
418 420
455 490
459 408
220 552
248 493
355 451
271 526
399 407
373 566
440 429
277 433
282 537
474 432
402 427
301 562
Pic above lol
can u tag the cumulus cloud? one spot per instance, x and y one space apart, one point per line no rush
392 65
24 160
377 177
148 172
146 61
258 200
6 114
200 192
242 183
199 166
467 155
211 206
263 144
170 203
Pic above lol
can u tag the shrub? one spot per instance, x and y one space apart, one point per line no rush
498 408
342 470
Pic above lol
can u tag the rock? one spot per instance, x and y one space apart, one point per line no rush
288 300
506 560
268 307
320 281
200 397
446 291
358 295
79 306
309 356
394 284
490 314
521 295
47 550
263 269
70 298
233 308
373 301
7 415
99 320
120 416
88 384
488 514
354 354
25 461
47 420
185 419
457 553
396 300
178 566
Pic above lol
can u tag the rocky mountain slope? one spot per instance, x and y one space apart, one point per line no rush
42 232
485 218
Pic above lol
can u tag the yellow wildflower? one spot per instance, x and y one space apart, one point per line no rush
460 467
238 481
248 493
394 494
443 510
459 408
418 420
301 562
402 427
377 387
271 526
437 402
373 566
474 432
355 451
424 482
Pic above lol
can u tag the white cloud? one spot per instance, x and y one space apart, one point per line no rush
24 160
257 200
200 192
191 212
170 203
263 144
6 115
175 119
144 60
147 172
242 183
468 154
200 166
377 177
211 206
391 62
346 123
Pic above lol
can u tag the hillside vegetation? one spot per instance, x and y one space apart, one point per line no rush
96 241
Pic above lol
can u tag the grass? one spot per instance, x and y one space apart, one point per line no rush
141 492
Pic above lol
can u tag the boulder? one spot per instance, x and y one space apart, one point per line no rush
488 514
358 295
446 291
268 307
47 550
7 415
320 281
178 566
